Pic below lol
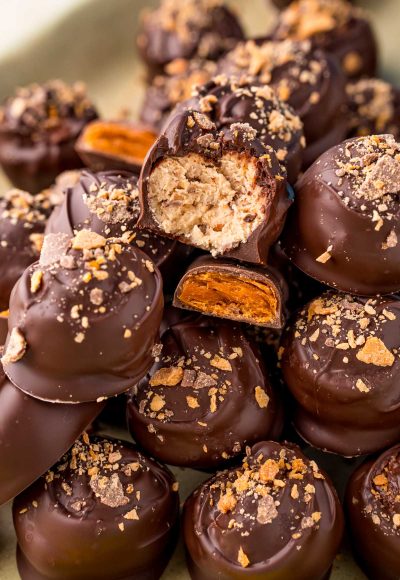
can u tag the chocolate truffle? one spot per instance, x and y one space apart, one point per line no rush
373 108
227 100
104 512
278 516
217 188
344 226
108 203
105 145
373 508
206 397
226 289
307 79
172 87
83 319
22 222
340 360
38 129
335 26
192 28
34 435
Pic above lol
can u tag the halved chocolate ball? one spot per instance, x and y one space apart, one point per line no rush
344 225
39 126
306 78
83 320
277 516
104 512
336 26
107 203
340 360
373 508
206 397
225 289
216 187
34 435
192 28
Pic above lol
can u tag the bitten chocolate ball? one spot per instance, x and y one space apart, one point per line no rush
373 508
34 435
307 79
38 129
83 319
267 519
172 87
373 108
226 289
206 397
335 26
217 186
104 512
23 220
108 203
227 100
192 28
340 360
343 229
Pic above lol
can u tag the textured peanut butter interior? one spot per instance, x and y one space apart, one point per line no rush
225 295
213 206
119 140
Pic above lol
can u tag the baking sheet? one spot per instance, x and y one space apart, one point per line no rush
97 44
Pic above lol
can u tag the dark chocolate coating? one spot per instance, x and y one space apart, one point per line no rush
194 28
339 359
81 210
118 524
83 335
335 26
179 140
295 538
172 87
228 100
343 228
373 507
23 219
34 435
38 129
373 108
308 79
267 277
212 408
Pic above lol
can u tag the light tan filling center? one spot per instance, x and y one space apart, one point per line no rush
229 296
213 206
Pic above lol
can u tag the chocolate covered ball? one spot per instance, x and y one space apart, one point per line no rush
83 319
307 79
23 220
192 28
104 512
343 228
228 100
216 186
266 520
340 361
206 397
39 126
373 508
107 203
373 108
34 435
172 87
335 26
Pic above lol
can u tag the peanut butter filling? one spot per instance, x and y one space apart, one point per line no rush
228 296
119 140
